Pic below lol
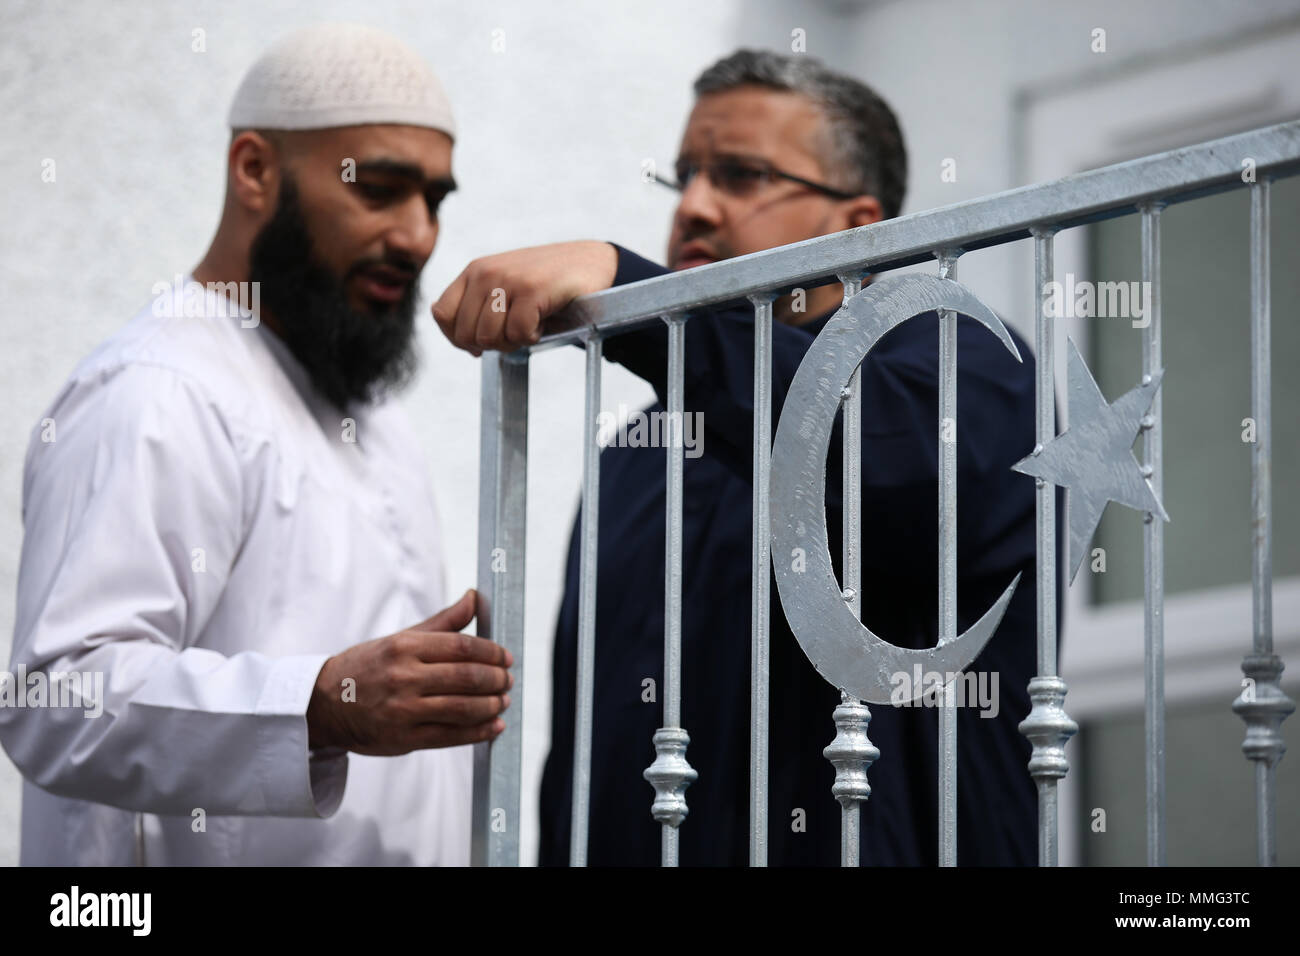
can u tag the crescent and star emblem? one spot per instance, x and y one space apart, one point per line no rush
1092 458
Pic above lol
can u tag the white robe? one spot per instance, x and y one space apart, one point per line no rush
201 532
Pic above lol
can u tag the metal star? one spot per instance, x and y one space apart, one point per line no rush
1093 458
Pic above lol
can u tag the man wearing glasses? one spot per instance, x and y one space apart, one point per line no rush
777 150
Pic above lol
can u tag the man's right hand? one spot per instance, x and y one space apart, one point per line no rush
500 301
427 686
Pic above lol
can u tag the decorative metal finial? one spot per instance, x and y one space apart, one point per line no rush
1048 727
670 775
851 752
1263 706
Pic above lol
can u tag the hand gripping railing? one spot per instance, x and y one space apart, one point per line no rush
840 646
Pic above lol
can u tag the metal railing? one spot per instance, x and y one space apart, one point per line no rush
1143 187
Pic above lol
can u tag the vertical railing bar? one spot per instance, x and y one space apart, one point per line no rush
583 706
1153 565
673 580
1044 432
503 501
760 587
1262 487
671 773
673 573
948 562
851 752
1261 304
1048 727
1045 519
1262 703
851 405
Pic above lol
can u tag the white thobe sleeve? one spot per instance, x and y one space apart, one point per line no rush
134 517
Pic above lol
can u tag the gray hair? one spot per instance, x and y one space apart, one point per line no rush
865 145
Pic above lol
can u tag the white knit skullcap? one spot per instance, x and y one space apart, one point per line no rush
340 74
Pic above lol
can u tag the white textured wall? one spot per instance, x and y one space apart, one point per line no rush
553 131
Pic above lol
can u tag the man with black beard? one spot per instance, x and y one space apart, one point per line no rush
348 353
232 542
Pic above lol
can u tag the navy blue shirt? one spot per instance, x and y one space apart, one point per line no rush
997 805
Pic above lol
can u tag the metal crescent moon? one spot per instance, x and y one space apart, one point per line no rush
842 649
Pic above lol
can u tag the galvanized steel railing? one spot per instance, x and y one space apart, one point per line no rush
1142 186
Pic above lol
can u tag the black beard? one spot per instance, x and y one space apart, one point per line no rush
349 355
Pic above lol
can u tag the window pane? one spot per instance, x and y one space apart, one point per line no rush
1206 345
1210 795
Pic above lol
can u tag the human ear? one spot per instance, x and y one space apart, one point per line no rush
863 211
254 170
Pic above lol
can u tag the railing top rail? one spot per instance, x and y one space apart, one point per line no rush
1170 177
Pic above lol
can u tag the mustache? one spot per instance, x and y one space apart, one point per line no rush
400 264
719 250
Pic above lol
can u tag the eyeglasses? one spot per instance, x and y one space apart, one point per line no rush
740 178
